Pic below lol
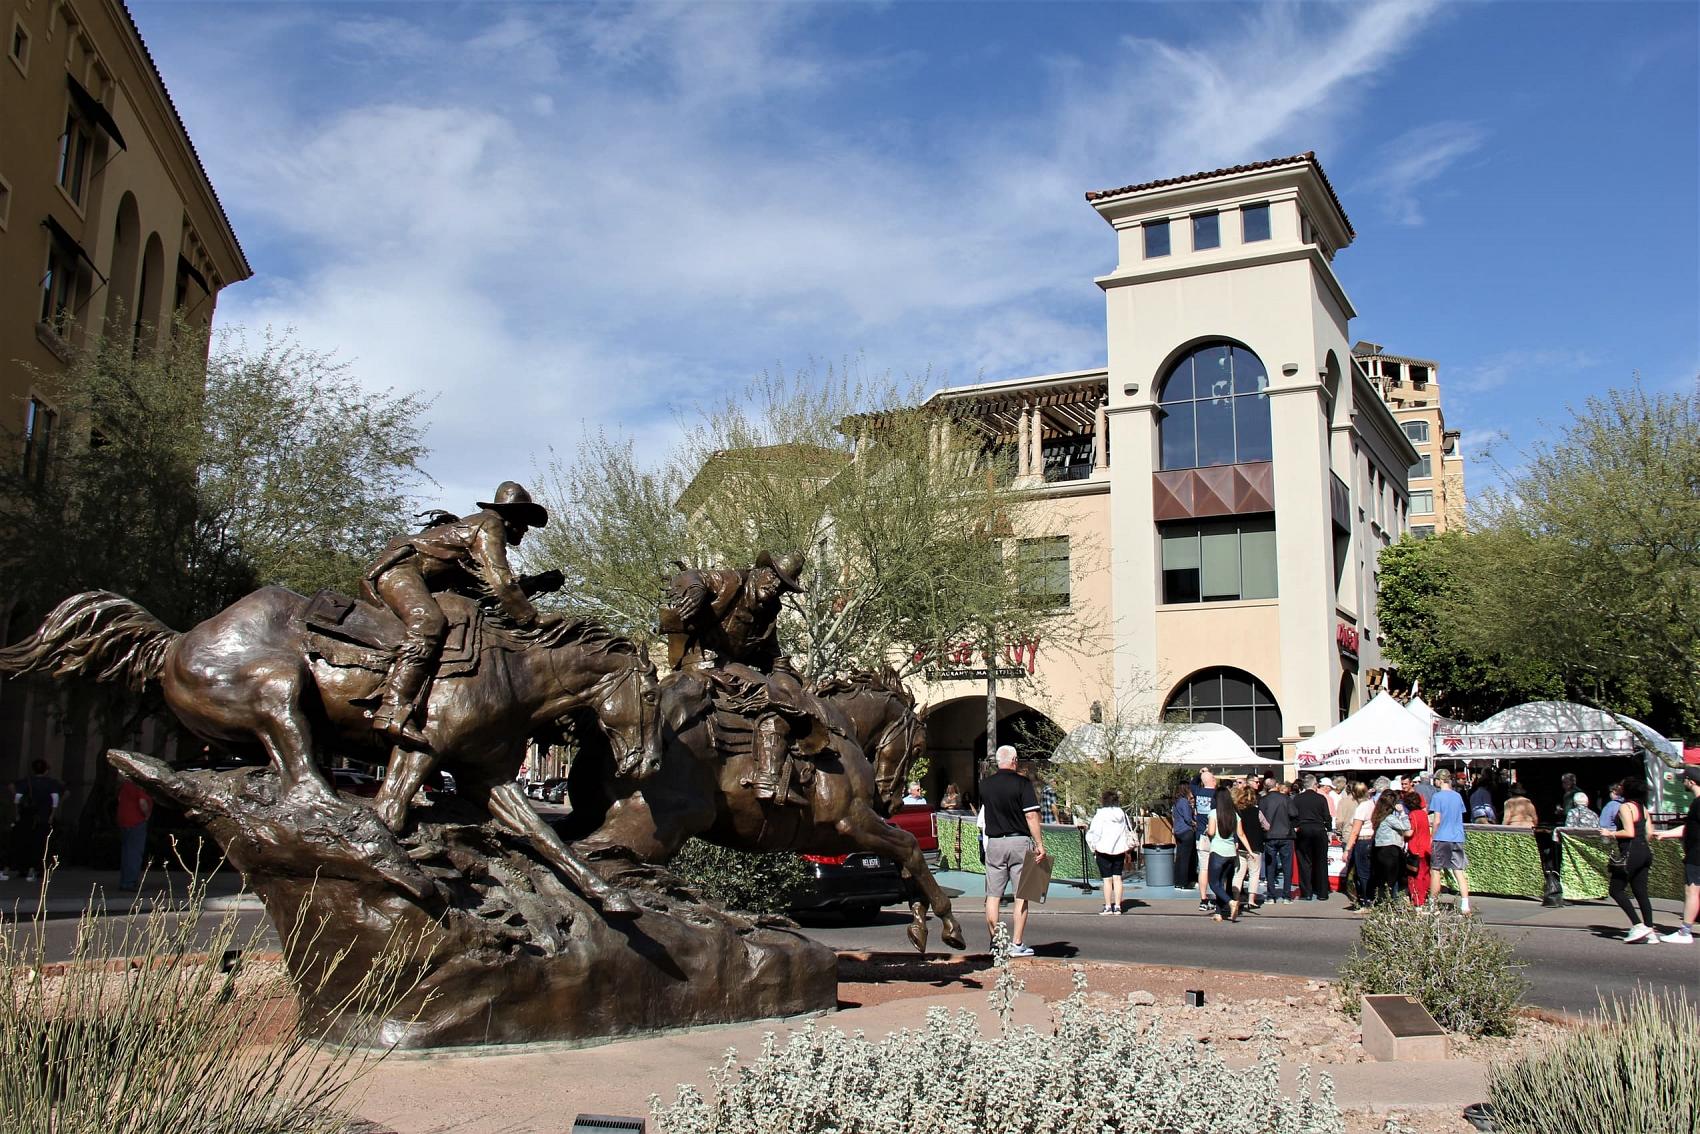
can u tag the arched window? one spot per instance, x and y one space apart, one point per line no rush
1214 409
1234 698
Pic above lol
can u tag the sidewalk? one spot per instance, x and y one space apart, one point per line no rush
71 890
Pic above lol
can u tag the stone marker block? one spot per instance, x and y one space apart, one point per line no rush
1400 1028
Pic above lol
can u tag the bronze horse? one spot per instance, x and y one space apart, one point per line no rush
703 791
245 679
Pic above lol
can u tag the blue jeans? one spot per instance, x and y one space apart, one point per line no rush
1277 864
1222 879
132 843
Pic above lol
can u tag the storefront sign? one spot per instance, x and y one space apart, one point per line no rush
1363 756
1346 637
1019 660
1528 745
1003 672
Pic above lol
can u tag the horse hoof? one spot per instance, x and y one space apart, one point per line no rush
918 935
952 934
616 904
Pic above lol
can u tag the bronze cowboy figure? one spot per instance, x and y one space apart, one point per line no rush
725 621
467 554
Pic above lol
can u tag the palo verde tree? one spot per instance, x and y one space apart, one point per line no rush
1581 577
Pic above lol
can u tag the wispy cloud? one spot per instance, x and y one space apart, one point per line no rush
1535 365
1417 161
560 215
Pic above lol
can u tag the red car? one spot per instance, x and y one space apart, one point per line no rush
917 819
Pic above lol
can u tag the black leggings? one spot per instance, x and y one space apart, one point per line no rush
1633 876
1387 872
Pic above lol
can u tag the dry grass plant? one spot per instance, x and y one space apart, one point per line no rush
154 1026
1636 1068
1100 1072
1465 974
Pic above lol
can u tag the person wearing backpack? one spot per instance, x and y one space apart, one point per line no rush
37 798
1110 836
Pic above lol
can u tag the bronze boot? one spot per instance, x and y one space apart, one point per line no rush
407 678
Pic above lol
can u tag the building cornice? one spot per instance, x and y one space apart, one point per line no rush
1309 252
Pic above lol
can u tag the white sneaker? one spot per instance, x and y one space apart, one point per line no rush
1020 950
1638 933
1677 936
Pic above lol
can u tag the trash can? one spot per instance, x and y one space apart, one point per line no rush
1159 867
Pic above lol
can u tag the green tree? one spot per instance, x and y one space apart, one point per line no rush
1581 577
185 476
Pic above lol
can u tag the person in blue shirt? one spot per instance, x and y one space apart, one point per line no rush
1608 813
1446 816
1185 822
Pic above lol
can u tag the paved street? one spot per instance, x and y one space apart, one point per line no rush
1571 961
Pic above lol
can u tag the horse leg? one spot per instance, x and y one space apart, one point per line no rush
872 833
510 808
287 736
403 777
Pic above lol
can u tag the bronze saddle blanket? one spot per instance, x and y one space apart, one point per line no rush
349 634
742 695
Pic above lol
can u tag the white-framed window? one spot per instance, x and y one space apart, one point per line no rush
1044 567
1254 222
40 422
1417 431
1422 502
1423 468
18 46
1156 238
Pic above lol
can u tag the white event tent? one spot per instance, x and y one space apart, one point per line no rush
1188 745
1546 729
1382 735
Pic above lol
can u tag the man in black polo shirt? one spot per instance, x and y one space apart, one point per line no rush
1012 829
1311 818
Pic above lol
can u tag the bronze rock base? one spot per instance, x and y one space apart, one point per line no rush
511 953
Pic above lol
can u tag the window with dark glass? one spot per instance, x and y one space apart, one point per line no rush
1419 374
59 288
74 147
1219 560
1067 458
1214 410
1417 431
1043 564
1156 238
1392 370
1233 698
1422 531
1206 231
1422 502
1423 468
39 421
1254 222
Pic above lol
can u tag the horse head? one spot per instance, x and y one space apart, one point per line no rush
616 681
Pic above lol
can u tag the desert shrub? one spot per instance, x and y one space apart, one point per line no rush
1102 1070
751 881
156 1026
1464 974
1637 1068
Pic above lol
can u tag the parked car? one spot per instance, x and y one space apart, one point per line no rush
854 886
917 819
556 791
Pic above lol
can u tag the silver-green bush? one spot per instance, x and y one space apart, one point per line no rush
752 881
146 1029
1465 974
1101 1072
1636 1068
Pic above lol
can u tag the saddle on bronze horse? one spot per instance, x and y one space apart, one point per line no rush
347 633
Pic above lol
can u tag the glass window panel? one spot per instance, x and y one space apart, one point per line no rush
1175 437
1213 368
1268 726
1417 431
1255 222
1260 697
1178 387
1156 238
1220 551
1215 432
1202 715
1254 437
1180 566
1206 231
1258 565
1249 375
1236 688
1423 468
1241 722
1422 503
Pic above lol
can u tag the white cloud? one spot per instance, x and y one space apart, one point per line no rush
1416 161
572 215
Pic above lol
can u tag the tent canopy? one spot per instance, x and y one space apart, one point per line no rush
1382 735
1188 745
1546 729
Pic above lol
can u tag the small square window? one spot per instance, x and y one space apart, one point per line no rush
1417 431
1422 503
19 46
1156 238
1422 531
1206 232
1254 221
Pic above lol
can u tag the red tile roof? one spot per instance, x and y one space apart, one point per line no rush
1308 157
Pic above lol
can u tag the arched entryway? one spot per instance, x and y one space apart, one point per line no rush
1231 697
956 740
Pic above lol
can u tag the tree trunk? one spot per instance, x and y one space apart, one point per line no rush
991 707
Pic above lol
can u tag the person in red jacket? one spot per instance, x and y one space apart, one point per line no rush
1418 848
135 805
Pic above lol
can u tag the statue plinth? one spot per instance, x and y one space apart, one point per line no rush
511 953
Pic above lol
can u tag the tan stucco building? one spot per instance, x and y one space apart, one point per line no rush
107 219
1218 494
1411 386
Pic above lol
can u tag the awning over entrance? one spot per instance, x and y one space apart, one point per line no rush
1382 735
1186 745
1548 729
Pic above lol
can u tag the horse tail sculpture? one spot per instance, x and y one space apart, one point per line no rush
97 636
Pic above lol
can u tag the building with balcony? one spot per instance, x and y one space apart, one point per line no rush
1411 388
1215 498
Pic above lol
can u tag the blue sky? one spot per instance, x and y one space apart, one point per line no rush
551 216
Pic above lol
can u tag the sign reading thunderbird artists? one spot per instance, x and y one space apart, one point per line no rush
1018 661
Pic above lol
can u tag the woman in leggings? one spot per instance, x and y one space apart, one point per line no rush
1631 834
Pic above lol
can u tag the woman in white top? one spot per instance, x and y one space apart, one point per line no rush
1110 836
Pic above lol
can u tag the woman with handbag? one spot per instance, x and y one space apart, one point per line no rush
1630 860
1110 836
1392 830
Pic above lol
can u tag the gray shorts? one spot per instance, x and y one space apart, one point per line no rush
1448 856
1004 857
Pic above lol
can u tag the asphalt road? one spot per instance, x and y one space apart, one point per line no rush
1569 965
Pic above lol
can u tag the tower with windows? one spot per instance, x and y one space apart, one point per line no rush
1257 473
